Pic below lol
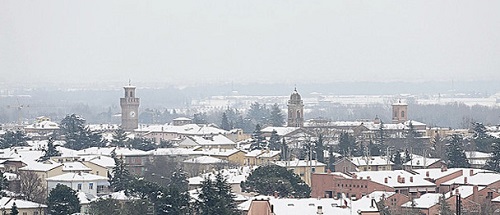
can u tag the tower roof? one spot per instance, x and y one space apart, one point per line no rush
295 95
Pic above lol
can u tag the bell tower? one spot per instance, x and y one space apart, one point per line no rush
399 112
295 110
130 109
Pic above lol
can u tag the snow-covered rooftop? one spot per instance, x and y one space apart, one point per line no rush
77 177
281 131
392 178
371 161
8 202
425 201
299 163
75 166
205 160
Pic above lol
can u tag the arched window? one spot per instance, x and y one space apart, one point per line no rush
131 94
395 114
298 114
402 114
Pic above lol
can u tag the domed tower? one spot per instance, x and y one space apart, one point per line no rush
130 109
295 110
399 112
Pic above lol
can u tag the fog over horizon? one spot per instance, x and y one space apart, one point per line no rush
242 42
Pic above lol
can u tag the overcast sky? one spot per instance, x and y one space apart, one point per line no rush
185 42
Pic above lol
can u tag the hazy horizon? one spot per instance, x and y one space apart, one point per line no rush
213 42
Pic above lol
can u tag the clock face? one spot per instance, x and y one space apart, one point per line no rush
132 114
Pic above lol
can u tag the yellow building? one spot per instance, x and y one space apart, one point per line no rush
303 168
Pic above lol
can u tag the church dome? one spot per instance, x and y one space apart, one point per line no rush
295 95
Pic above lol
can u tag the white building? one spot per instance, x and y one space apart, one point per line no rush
84 182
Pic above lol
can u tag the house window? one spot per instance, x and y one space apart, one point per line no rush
79 186
313 169
91 186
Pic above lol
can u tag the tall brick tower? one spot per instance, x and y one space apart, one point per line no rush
130 109
295 110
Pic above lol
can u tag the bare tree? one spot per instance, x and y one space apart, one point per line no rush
32 187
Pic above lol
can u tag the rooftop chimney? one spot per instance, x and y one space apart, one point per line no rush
411 179
385 180
465 180
427 174
320 209
471 172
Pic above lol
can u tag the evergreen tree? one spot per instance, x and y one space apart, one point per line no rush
407 156
273 179
225 122
382 208
141 143
381 134
374 149
285 154
4 183
347 144
51 151
444 207
481 139
62 200
13 139
274 141
258 141
331 159
493 162
216 198
258 113
107 206
119 138
397 160
276 118
455 154
14 210
121 176
320 149
78 137
200 118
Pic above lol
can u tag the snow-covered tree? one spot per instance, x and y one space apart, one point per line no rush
62 200
455 153
272 179
494 161
51 151
215 197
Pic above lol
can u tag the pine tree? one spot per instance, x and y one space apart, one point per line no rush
14 210
13 139
121 176
216 198
444 207
347 144
397 160
51 151
455 154
274 141
276 118
331 159
494 161
258 139
62 200
320 149
285 154
272 179
225 122
107 206
119 138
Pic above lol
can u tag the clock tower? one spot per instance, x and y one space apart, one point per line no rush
130 109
